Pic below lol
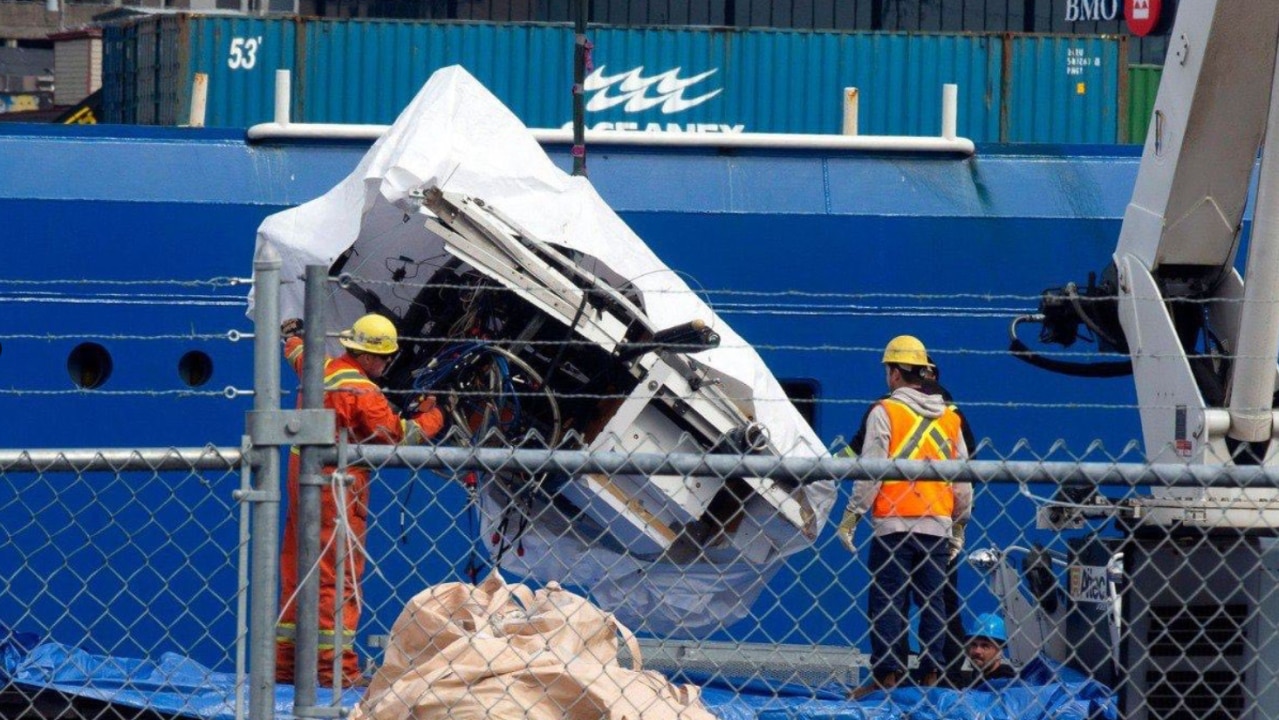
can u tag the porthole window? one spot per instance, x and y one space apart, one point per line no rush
89 366
803 394
195 368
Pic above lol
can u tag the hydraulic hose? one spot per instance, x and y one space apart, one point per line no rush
1063 367
1072 294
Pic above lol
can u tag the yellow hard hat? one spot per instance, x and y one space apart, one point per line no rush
371 334
906 350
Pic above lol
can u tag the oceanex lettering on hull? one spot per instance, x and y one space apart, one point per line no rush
637 94
664 127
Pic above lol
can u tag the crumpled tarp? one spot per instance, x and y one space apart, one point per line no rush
174 684
179 685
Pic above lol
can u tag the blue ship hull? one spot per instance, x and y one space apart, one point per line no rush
847 250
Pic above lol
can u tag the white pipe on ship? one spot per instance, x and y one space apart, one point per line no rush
949 110
199 100
282 129
878 143
283 93
850 111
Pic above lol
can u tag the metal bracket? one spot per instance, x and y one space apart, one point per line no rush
291 427
317 480
255 496
319 711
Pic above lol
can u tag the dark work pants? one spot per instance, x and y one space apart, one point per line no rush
956 634
953 657
907 569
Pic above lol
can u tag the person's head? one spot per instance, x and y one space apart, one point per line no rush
931 373
986 641
373 342
905 362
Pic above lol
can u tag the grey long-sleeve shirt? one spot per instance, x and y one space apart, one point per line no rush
878 435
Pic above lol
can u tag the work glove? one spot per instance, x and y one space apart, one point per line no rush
418 405
290 328
427 420
846 527
957 540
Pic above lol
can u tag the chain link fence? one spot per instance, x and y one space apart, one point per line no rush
1147 618
120 565
501 574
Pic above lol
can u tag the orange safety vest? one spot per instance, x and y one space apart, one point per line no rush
915 437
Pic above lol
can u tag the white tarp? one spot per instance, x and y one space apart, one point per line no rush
456 135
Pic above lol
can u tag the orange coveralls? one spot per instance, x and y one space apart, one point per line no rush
363 411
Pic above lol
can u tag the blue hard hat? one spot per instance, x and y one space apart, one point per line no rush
989 625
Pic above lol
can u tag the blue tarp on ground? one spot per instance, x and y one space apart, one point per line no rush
175 684
172 685
1045 690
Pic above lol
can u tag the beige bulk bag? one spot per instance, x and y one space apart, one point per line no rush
462 652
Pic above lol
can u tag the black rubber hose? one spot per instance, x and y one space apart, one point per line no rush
1019 350
1093 370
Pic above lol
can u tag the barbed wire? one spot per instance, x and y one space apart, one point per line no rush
217 281
231 336
950 297
230 392
123 301
344 280
233 392
939 351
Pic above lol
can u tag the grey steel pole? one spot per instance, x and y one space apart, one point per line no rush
265 571
310 486
120 460
804 470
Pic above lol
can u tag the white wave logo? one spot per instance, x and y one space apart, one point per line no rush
632 88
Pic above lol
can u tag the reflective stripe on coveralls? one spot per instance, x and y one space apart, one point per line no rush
364 413
288 632
915 437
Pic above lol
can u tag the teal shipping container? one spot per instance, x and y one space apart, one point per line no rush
148 67
1063 89
1012 88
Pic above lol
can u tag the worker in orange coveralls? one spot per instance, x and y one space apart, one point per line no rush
366 416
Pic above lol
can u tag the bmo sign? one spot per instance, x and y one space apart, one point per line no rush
1091 10
1142 15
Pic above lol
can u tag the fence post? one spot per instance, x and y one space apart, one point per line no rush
265 569
310 487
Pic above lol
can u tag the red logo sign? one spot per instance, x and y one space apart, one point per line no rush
1142 15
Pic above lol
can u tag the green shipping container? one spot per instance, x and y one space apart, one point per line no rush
1143 87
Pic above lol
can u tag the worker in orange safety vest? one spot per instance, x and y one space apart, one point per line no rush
914 520
363 412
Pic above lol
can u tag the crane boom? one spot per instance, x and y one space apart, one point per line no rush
1203 343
